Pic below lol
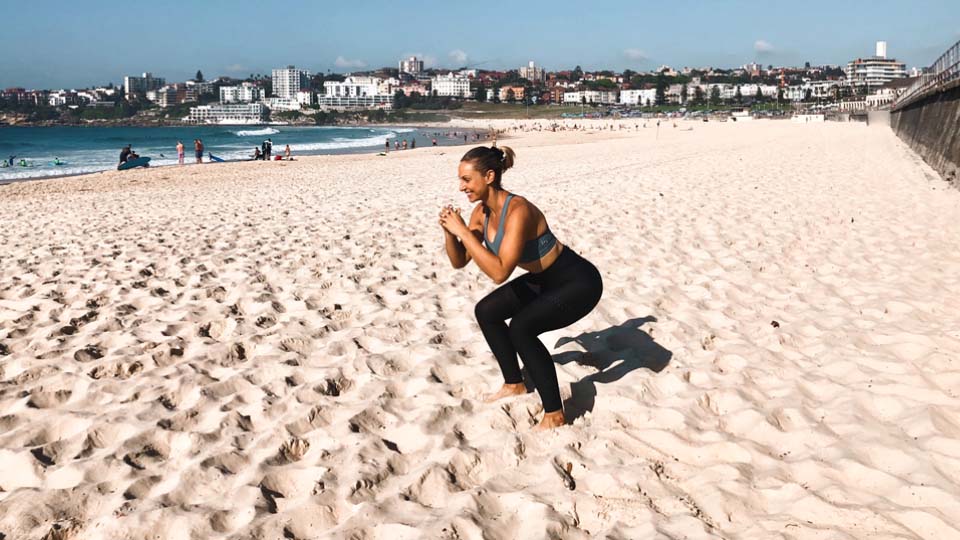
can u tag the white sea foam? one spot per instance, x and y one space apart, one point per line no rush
257 132
342 142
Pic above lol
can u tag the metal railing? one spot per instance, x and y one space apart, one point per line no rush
945 70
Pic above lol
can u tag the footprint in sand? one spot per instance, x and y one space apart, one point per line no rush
295 345
88 353
43 399
84 319
120 370
235 354
294 449
217 293
266 321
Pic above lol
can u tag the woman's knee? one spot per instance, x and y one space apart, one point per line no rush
522 328
487 310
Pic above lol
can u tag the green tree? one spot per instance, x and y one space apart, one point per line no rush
698 95
627 75
683 94
199 76
481 92
661 94
576 75
738 97
715 95
808 95
511 97
400 100
779 94
758 97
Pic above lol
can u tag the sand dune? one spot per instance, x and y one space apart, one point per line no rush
280 350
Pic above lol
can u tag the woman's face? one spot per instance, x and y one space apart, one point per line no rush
472 183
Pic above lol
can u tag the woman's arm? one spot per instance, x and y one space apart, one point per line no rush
458 255
498 267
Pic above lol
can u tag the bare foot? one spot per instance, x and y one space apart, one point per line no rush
505 391
551 420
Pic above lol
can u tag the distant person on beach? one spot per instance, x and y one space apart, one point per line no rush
396 145
388 145
198 150
286 153
267 149
257 155
180 152
413 143
559 288
434 141
404 144
125 154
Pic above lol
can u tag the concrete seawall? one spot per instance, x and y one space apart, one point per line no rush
931 126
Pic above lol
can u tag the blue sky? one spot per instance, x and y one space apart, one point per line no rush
78 44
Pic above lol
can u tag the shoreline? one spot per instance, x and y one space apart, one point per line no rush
337 151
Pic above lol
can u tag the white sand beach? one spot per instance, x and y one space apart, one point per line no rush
282 350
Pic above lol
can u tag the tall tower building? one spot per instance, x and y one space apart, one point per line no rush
290 80
412 65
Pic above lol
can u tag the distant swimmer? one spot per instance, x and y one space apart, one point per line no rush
559 288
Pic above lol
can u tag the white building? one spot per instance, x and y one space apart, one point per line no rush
451 85
388 87
166 96
62 97
750 90
882 98
875 71
200 87
412 65
815 89
247 113
245 93
133 85
666 70
356 93
642 97
352 87
591 97
281 104
290 80
533 73
305 97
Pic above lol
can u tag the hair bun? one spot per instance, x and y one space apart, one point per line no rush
507 156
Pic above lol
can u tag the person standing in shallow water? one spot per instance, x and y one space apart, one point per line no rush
560 288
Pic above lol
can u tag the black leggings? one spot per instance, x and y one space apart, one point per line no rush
536 303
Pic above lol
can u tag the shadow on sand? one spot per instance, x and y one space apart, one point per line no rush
615 352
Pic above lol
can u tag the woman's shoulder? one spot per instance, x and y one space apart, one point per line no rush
522 206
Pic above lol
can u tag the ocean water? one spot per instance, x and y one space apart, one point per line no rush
92 149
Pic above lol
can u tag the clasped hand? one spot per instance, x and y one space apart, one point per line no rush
452 221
